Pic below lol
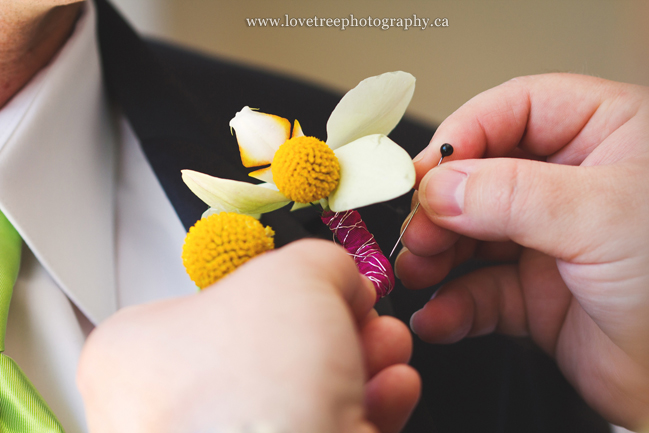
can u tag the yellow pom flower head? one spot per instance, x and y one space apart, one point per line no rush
220 243
305 169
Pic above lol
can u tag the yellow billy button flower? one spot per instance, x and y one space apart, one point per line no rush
218 244
358 165
305 169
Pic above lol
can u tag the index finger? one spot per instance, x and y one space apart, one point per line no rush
541 114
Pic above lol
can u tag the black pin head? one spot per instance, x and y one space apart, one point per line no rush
446 150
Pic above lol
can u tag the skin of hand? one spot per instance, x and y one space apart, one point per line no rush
31 33
290 339
562 200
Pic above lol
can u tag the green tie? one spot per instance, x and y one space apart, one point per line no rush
22 409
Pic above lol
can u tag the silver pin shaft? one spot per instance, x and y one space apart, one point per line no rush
412 215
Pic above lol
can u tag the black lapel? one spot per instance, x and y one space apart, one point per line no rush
170 135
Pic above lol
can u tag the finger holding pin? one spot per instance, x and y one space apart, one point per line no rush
446 150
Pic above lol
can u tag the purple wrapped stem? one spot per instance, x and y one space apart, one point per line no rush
351 232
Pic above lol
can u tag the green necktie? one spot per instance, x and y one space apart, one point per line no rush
22 409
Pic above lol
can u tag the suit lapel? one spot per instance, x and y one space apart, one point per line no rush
167 126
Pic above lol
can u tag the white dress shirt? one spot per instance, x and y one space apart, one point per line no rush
99 233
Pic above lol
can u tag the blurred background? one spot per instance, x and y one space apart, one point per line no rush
485 44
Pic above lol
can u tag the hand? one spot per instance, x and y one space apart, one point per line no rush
564 198
290 339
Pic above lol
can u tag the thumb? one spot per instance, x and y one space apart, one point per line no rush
563 211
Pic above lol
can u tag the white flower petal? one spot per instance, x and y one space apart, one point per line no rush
263 174
373 169
233 196
297 206
213 210
375 106
259 135
270 186
297 130
322 202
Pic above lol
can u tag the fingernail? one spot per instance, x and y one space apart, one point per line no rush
412 320
396 260
419 156
442 191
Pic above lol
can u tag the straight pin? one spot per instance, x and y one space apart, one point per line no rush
446 150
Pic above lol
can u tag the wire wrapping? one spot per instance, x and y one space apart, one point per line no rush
350 230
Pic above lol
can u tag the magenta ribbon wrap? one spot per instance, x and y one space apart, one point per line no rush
350 230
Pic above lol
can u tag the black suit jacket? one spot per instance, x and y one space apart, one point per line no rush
179 105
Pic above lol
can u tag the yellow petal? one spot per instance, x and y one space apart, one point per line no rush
373 169
297 130
263 174
375 106
259 135
227 195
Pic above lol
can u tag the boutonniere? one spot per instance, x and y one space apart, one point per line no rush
356 166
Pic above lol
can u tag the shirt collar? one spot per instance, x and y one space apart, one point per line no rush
57 169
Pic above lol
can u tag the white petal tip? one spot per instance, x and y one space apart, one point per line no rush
259 135
373 169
